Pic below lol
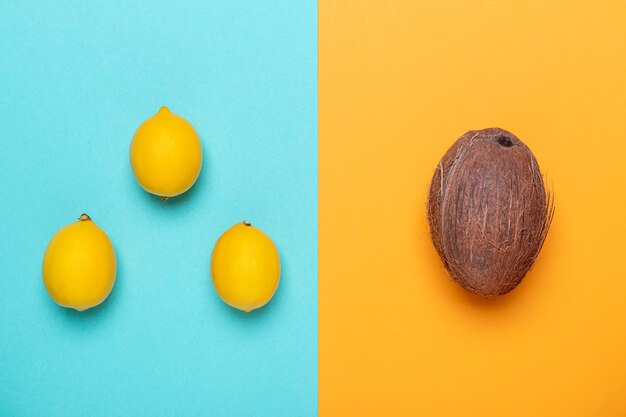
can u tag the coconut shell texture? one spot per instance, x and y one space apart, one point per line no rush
488 211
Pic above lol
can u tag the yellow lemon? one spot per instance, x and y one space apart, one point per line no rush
79 265
166 154
245 267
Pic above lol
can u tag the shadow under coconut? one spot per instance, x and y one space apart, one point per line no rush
452 289
490 303
447 287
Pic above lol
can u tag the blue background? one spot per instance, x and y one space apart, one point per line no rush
76 80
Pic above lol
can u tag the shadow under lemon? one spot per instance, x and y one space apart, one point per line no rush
183 199
270 309
92 317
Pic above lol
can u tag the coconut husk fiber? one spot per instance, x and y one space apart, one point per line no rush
488 211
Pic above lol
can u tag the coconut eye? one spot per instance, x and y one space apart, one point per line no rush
504 141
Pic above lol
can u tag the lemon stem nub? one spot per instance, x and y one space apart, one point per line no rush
84 217
163 198
247 223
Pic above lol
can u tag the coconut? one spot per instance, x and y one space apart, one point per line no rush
488 211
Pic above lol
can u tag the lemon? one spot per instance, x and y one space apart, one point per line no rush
245 267
79 265
166 154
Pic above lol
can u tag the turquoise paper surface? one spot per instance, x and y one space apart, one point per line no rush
76 80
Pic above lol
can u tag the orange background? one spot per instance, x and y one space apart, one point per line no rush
399 81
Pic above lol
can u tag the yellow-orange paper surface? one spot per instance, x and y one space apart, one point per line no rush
399 81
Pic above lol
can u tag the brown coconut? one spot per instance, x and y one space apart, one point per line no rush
488 211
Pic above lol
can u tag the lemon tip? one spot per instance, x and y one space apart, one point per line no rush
164 110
